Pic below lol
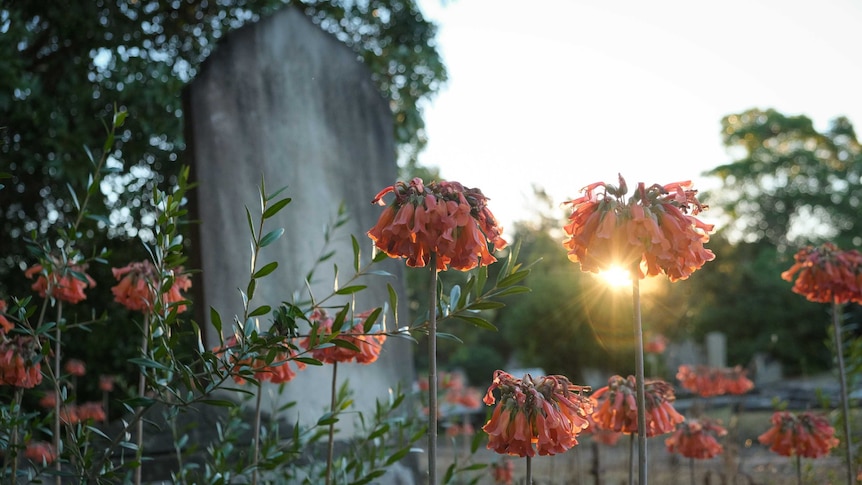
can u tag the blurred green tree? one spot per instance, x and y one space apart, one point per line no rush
789 184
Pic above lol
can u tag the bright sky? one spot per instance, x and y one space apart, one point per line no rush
563 93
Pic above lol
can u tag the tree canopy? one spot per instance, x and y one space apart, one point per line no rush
788 182
66 66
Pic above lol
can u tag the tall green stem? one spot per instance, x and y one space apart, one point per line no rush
13 451
845 405
798 470
256 445
529 470
58 395
639 377
142 388
331 449
691 469
432 373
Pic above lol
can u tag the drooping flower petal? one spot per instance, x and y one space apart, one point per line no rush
66 283
616 407
806 434
654 230
547 411
827 274
442 218
696 438
137 283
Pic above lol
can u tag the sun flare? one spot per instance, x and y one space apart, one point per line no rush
616 276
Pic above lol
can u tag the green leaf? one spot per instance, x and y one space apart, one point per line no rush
379 272
308 360
344 344
149 363
370 477
267 269
355 253
348 290
119 118
512 290
218 402
393 301
90 155
252 285
513 278
74 196
450 472
275 208
371 320
382 430
216 320
261 310
486 305
481 278
449 336
271 236
454 297
398 455
477 321
250 223
276 193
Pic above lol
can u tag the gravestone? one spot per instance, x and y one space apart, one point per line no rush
285 100
716 349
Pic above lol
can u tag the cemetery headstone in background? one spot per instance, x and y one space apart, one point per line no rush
284 99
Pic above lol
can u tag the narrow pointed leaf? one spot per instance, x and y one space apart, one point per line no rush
271 236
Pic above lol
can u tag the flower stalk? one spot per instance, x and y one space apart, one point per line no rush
142 388
842 377
639 378
330 449
432 373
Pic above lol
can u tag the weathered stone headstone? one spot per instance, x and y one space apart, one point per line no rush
716 349
284 100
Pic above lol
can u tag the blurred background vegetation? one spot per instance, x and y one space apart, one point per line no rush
66 65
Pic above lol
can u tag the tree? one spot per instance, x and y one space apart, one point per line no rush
65 66
789 183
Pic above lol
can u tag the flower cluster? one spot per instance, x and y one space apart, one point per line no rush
5 325
826 274
655 229
442 218
360 347
19 362
65 283
805 434
503 472
714 381
548 411
655 344
75 367
84 412
601 435
74 413
279 371
40 452
137 283
616 407
695 438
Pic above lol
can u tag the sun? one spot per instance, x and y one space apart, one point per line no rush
616 277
